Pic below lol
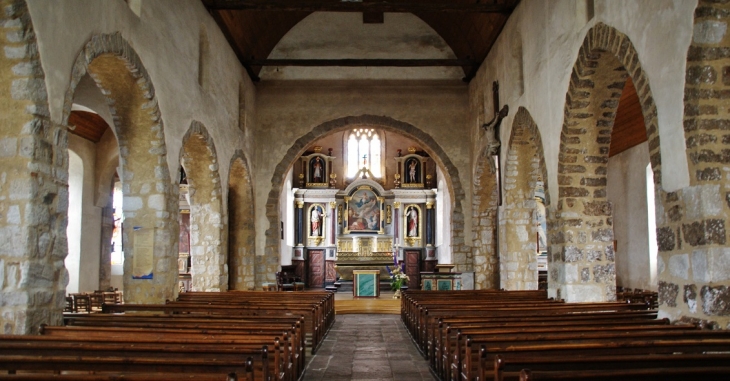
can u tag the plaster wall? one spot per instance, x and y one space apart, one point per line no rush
90 234
167 43
550 34
287 110
626 189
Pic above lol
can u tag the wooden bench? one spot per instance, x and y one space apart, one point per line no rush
34 353
506 368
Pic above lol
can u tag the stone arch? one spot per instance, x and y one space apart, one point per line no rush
209 267
582 266
34 160
461 254
150 202
241 225
524 167
485 203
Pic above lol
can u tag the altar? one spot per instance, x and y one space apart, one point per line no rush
370 225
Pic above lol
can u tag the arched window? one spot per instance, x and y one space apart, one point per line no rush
363 151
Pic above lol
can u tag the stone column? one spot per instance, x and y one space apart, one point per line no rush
430 223
299 224
693 265
107 230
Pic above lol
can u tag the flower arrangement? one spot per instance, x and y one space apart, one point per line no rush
398 277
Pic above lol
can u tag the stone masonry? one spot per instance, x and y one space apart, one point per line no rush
485 203
33 184
582 265
209 266
150 200
694 260
525 166
242 233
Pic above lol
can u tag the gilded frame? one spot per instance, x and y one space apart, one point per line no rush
365 211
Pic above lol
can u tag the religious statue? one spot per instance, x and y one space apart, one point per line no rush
412 171
314 221
412 222
317 170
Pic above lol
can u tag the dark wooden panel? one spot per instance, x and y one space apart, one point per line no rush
88 125
628 127
316 272
331 276
413 268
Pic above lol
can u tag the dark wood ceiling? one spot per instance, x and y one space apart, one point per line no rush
628 127
87 125
254 27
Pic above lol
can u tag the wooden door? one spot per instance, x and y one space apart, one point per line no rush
316 268
413 268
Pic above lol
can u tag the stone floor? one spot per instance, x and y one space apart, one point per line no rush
367 347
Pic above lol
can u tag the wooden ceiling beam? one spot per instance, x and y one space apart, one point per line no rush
353 6
362 62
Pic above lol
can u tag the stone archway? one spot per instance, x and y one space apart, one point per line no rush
582 266
209 267
241 226
525 166
150 202
484 209
461 254
34 171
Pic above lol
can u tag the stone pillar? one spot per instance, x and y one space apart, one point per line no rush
694 260
299 222
430 224
107 230
33 184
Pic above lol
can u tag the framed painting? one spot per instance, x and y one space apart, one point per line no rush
412 224
364 212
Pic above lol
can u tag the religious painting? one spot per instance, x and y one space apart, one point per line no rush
364 212
316 220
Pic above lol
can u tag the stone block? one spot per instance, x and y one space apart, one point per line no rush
666 239
679 266
578 293
132 203
715 300
690 297
571 273
668 293
155 201
709 32
8 147
702 201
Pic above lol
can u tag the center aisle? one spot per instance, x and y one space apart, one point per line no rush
367 347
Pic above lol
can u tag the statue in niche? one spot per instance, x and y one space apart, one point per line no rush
317 170
314 221
412 214
413 170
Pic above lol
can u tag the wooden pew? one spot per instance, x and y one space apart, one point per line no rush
180 325
34 353
650 374
77 376
660 343
283 356
506 368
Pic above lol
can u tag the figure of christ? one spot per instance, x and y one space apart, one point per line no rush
412 171
317 170
314 221
413 222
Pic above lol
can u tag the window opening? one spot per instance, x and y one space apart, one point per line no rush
364 152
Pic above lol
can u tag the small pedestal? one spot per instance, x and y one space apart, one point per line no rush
366 283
